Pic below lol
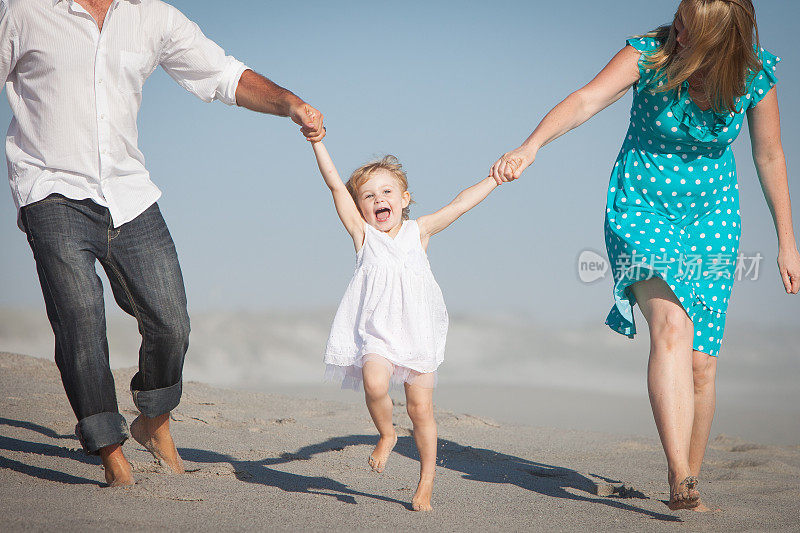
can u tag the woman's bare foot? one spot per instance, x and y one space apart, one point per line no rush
154 435
117 468
683 495
422 498
380 455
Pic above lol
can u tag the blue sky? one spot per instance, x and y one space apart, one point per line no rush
447 87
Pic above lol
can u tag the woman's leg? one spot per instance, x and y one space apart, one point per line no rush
376 392
704 367
419 401
670 381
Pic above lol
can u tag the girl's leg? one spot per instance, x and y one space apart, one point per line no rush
670 383
704 367
419 401
376 373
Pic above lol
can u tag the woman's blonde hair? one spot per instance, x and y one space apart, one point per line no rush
390 164
723 38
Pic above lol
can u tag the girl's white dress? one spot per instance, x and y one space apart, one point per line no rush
393 309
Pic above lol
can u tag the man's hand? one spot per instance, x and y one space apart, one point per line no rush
257 93
309 120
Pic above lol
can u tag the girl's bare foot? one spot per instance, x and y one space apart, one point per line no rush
684 495
154 435
117 468
422 498
380 455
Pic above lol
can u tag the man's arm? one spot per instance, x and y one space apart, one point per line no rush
257 93
201 67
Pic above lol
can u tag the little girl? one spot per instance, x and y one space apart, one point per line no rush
392 322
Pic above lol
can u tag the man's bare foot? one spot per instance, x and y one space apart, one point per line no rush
117 468
380 455
154 435
683 495
422 498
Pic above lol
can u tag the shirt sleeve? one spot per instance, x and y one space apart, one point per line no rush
8 43
197 63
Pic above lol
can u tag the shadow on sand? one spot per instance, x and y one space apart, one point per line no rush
49 450
476 464
261 473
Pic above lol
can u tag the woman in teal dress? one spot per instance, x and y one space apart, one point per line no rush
672 221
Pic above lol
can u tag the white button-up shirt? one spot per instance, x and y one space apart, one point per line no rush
75 92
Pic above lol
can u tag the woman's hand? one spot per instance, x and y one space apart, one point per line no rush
789 267
510 166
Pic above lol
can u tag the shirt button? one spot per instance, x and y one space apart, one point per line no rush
102 116
99 82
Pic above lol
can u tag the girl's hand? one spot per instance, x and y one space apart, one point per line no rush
789 266
510 166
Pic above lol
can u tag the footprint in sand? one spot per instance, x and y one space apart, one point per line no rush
746 463
747 447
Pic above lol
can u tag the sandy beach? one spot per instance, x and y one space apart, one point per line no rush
513 370
285 462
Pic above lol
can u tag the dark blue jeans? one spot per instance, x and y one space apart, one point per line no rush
67 238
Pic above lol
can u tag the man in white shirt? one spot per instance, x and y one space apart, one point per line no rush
74 71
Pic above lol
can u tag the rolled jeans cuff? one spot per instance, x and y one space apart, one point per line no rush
101 430
152 403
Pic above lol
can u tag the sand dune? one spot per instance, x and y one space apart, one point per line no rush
266 461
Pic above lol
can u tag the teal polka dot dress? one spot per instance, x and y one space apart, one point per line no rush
672 209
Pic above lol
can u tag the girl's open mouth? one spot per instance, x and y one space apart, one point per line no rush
382 214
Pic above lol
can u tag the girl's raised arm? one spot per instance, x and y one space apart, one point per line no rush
345 206
466 200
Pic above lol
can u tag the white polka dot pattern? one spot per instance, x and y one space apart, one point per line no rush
673 201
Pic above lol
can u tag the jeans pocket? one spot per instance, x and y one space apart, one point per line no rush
32 208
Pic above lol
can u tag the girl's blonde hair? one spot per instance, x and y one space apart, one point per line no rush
724 39
362 174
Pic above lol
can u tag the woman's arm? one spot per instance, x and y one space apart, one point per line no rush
606 88
345 206
765 135
466 200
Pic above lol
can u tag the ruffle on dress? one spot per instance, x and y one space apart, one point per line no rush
764 80
647 77
351 376
621 318
686 111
